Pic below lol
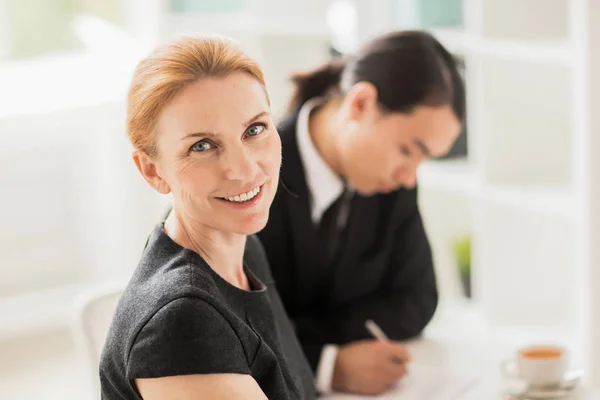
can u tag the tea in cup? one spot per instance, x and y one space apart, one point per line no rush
538 365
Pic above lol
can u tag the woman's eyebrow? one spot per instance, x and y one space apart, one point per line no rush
257 116
200 134
214 134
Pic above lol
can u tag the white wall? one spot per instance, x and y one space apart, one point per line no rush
74 207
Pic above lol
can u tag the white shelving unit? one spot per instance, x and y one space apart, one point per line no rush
526 190
518 177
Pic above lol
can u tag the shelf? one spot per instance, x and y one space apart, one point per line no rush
242 25
457 40
464 324
449 175
551 52
548 200
461 316
524 19
458 177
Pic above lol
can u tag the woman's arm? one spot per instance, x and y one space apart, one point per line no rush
188 350
195 387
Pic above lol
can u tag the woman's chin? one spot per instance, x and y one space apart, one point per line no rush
251 225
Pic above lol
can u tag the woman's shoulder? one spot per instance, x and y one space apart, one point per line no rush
167 268
148 292
165 274
187 335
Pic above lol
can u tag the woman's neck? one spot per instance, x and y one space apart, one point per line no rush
323 123
223 252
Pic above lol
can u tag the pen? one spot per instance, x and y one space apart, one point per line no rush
378 334
375 330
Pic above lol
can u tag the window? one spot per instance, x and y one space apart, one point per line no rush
39 27
206 5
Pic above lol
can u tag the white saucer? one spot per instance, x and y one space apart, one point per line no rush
567 388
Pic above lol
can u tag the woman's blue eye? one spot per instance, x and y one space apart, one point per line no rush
201 146
255 130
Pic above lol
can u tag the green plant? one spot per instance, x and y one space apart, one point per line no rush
462 254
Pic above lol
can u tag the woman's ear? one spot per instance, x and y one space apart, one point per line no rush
361 101
149 170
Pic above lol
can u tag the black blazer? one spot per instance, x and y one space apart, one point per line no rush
384 272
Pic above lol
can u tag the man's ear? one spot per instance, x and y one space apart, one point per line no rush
149 171
361 101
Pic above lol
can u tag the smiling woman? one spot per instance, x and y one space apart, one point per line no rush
221 143
201 314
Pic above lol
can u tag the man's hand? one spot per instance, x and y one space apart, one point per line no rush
369 367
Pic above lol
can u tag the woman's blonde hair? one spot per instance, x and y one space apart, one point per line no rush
168 69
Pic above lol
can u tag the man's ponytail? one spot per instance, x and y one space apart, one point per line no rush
316 83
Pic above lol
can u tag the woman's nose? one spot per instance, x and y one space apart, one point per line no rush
239 164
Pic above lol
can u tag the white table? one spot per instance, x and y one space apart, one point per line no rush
459 342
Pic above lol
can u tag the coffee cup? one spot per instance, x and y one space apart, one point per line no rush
538 365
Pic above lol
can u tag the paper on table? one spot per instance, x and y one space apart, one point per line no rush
422 384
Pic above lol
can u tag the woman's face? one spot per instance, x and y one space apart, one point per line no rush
380 152
219 153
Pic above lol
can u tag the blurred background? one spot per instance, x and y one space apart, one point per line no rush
510 211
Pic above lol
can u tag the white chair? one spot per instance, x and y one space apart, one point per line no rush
93 314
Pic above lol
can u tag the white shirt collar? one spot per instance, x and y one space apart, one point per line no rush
324 185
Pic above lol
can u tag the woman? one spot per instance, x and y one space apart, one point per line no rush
200 316
345 242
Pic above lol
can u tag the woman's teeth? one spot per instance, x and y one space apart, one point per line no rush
244 196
